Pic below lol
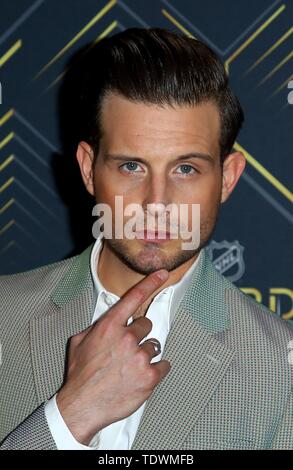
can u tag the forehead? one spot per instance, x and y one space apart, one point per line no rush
140 127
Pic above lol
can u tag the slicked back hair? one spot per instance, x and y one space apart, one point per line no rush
157 66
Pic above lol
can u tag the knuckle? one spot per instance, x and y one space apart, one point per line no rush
142 357
152 282
129 340
75 340
139 293
105 326
152 376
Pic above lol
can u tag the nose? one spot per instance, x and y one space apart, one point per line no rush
157 194
157 198
156 208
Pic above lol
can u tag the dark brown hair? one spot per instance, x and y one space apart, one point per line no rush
161 67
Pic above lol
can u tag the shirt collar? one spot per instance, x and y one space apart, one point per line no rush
176 291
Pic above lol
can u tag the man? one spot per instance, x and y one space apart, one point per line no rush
165 353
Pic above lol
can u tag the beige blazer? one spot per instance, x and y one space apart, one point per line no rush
230 386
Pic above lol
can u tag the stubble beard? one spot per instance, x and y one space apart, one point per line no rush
152 256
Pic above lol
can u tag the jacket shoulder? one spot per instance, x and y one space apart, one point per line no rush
25 292
246 309
29 280
256 312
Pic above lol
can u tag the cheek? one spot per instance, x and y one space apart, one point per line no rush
103 192
106 192
106 187
207 194
109 183
205 190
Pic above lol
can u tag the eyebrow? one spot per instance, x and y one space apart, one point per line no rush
186 156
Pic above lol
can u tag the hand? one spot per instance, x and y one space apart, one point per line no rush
109 375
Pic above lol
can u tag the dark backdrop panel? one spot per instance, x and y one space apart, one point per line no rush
43 205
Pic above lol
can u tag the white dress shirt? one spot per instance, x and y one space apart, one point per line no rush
120 435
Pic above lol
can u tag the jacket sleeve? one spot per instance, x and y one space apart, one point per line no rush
283 438
32 434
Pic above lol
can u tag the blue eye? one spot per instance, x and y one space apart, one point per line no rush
187 169
130 167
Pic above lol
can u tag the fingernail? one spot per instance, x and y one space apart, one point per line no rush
163 275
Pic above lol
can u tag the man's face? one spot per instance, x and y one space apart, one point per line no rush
141 158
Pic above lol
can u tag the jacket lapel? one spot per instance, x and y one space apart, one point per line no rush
70 311
198 363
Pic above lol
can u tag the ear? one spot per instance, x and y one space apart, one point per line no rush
233 167
85 156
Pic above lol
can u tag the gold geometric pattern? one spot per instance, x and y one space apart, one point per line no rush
34 49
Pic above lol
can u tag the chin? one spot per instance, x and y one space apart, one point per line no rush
147 258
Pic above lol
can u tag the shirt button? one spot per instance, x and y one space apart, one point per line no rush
109 301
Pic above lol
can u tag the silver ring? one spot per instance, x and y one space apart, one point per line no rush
156 343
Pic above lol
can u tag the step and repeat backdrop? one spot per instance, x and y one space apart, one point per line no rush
45 213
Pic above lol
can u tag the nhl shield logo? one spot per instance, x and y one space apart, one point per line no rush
227 257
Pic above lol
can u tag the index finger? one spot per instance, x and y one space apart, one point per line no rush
137 295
